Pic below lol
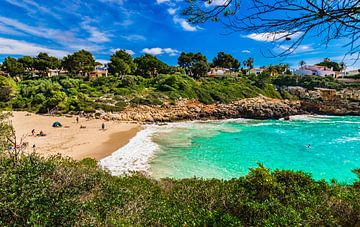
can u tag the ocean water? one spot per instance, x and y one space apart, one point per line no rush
326 147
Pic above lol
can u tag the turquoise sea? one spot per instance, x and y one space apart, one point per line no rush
327 147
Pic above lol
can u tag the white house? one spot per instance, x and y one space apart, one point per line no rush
221 72
315 70
255 71
101 70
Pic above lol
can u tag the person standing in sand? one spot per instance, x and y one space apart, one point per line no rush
103 126
77 120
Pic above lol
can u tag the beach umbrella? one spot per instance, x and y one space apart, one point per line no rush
56 124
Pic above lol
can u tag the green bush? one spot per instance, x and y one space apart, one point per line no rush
56 191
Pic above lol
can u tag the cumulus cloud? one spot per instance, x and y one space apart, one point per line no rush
272 36
17 47
131 52
246 51
103 61
172 11
159 51
184 24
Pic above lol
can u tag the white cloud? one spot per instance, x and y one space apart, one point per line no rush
17 47
272 36
246 51
32 7
162 1
134 37
184 24
131 52
65 38
119 2
299 49
103 61
159 51
172 11
96 36
216 3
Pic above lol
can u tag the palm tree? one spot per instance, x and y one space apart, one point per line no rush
327 60
342 68
302 63
249 63
272 70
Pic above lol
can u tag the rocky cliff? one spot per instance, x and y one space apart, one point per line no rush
328 101
318 101
257 108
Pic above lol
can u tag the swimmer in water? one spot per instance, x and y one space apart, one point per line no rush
308 146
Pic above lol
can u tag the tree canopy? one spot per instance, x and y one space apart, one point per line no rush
43 62
12 66
80 63
224 60
330 64
7 89
121 63
149 66
188 60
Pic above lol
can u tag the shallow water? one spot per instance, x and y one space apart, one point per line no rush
327 147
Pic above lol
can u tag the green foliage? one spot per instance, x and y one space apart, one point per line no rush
43 62
81 62
111 93
57 191
200 69
5 132
13 67
150 66
330 64
309 82
121 63
7 89
224 60
188 60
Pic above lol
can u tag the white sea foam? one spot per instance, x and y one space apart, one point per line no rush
133 157
307 117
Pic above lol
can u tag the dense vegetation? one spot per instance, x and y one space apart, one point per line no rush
113 94
56 191
142 80
309 82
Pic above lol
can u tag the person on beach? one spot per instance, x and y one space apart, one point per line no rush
77 120
103 126
33 132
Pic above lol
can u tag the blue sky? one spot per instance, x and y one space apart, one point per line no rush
139 26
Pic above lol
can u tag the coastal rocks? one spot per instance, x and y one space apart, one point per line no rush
257 108
328 101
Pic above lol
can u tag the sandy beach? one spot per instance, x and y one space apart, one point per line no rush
71 140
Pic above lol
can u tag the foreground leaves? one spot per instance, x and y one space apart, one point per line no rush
58 191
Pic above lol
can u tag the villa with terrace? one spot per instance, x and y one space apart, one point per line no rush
316 70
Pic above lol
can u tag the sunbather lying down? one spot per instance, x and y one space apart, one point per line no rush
41 134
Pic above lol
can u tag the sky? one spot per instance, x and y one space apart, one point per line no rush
61 27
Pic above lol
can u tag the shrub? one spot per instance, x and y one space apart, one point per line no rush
57 191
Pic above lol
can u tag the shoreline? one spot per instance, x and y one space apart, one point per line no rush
71 140
136 155
141 150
